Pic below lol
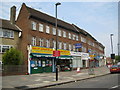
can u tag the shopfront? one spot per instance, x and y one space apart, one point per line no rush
41 60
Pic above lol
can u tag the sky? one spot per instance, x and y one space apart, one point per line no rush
100 19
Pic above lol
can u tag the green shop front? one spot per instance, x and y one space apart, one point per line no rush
41 60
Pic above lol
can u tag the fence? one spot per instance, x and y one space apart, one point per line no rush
14 70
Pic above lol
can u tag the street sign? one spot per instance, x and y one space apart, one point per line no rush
78 45
56 53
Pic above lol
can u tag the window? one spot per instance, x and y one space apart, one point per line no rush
41 27
84 49
76 38
73 47
54 44
7 34
73 37
54 31
47 29
1 33
33 25
47 43
60 45
3 48
34 41
64 34
83 39
70 48
69 35
59 33
41 42
64 46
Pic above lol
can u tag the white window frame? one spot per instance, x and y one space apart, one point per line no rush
54 44
54 31
69 35
41 27
73 47
59 32
1 48
64 34
34 25
47 29
48 43
64 46
34 41
41 42
10 32
60 45
73 36
70 47
76 37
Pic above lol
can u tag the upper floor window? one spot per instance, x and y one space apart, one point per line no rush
84 49
34 41
73 37
41 27
69 35
7 33
54 44
76 37
59 32
33 25
48 43
60 45
70 47
83 39
64 46
47 29
3 48
54 31
73 47
41 42
64 34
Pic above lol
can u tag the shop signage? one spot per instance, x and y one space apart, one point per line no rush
64 52
78 45
43 50
75 54
56 53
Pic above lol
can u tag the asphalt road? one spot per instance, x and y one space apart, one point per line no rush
110 81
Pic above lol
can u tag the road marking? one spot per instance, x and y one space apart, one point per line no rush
115 86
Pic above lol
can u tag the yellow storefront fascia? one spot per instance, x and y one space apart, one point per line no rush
43 50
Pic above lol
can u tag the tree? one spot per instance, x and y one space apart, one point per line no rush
117 58
12 57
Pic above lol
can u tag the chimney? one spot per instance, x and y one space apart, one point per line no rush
13 14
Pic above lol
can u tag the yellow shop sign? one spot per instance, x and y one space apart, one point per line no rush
42 50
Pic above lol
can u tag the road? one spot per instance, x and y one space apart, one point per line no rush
108 81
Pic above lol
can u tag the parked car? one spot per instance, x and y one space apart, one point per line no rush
115 69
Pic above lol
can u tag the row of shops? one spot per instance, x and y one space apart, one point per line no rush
41 59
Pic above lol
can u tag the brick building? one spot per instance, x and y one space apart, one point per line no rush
38 42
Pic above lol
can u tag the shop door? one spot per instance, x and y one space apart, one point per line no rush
84 63
47 65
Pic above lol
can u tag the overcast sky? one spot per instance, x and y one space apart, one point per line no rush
100 19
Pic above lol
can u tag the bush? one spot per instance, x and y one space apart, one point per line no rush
12 57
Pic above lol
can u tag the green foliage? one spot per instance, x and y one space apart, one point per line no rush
117 58
12 57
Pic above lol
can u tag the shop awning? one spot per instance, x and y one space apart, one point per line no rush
65 57
41 55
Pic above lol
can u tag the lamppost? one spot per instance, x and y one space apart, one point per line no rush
56 39
111 42
112 55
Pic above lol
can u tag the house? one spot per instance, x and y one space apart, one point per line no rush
9 34
38 41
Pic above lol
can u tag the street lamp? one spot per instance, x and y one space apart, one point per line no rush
56 38
111 42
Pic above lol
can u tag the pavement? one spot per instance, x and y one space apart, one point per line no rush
41 80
